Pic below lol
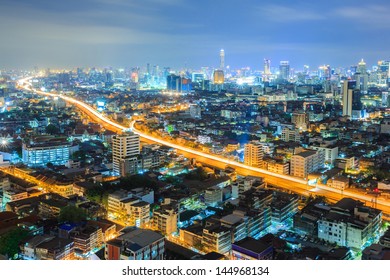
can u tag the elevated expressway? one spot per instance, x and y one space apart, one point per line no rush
290 183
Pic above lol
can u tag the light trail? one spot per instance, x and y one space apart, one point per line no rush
26 85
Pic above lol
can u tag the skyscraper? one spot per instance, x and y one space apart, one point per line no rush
222 59
219 77
284 69
125 148
348 87
362 69
267 66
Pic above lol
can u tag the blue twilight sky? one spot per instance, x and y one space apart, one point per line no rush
190 33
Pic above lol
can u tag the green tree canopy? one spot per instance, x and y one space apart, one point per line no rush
71 214
9 242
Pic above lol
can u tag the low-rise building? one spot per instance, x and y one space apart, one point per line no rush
165 220
136 244
251 249
349 223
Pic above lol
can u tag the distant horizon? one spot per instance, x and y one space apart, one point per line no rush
188 67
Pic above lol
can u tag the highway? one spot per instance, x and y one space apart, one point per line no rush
284 181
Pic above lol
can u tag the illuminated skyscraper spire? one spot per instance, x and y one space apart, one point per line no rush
222 59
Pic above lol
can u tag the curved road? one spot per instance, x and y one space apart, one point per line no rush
285 181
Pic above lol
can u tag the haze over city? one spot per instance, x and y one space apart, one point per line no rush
183 33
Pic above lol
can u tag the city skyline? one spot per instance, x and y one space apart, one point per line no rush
173 33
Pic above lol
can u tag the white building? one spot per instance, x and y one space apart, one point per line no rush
165 220
306 162
213 196
125 149
290 135
55 151
331 152
349 223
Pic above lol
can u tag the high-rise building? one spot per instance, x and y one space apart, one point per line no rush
267 67
284 69
362 68
174 82
348 88
222 59
219 77
306 162
253 153
125 148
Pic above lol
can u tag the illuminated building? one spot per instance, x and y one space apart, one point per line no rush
174 83
284 69
139 213
222 59
217 238
290 135
267 67
331 152
300 119
54 150
253 154
86 239
219 77
362 68
213 196
306 162
125 149
252 249
349 223
45 247
165 220
348 96
136 244
178 84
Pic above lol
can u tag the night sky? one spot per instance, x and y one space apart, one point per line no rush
190 33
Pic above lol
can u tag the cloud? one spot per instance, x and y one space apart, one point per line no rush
370 15
279 13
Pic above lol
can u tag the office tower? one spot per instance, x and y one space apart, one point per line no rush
253 153
348 87
219 77
267 67
361 76
174 83
384 66
362 67
148 68
284 69
125 148
222 59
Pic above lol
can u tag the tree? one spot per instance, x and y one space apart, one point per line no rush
9 242
71 214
